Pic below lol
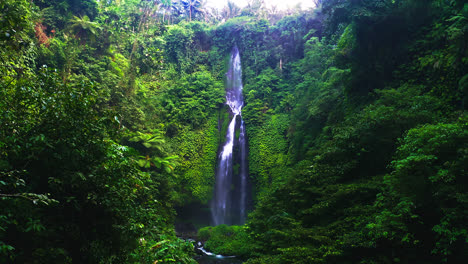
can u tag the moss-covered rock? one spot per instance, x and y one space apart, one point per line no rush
226 240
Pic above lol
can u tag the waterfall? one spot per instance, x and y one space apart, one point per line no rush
243 173
230 200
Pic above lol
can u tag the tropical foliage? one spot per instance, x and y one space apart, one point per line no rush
112 113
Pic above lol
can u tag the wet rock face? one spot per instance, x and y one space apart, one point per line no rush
186 230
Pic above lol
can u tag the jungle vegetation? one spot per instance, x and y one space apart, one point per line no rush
355 114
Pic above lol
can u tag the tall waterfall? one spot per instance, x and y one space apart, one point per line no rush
230 200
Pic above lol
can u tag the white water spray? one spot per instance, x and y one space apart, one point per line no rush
229 204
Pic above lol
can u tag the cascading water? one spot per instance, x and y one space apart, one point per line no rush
230 200
243 173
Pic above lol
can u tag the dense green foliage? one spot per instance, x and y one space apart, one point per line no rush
112 113
88 173
374 117
226 240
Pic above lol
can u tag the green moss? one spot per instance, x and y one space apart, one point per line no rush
268 148
197 167
235 169
226 240
224 119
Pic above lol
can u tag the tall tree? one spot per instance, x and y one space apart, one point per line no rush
192 7
166 6
230 10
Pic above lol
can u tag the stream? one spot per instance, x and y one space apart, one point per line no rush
210 258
